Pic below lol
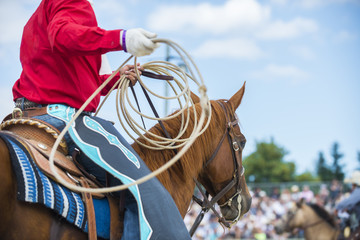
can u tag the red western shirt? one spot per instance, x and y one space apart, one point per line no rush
60 54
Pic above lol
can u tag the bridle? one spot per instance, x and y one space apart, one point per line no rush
207 204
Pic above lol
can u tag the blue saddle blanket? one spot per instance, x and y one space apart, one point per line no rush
33 186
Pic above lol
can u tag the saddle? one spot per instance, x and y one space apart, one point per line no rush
38 137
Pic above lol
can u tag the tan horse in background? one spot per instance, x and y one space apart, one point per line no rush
20 220
316 222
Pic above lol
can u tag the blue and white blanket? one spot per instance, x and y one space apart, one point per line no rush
35 187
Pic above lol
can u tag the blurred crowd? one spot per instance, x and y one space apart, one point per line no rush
266 209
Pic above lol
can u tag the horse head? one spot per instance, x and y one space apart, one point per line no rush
223 173
316 222
294 218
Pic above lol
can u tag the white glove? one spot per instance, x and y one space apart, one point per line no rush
138 42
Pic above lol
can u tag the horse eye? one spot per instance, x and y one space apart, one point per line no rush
242 144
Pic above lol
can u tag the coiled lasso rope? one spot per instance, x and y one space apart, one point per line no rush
180 88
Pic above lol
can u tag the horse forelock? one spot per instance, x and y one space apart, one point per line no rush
322 213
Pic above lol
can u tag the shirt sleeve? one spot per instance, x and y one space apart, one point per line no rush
108 87
351 201
73 29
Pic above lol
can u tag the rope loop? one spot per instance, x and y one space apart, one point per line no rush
180 85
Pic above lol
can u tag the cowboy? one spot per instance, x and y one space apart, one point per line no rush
62 62
349 209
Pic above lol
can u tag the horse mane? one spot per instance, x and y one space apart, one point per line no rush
191 163
321 212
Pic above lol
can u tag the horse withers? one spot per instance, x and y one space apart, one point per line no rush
214 160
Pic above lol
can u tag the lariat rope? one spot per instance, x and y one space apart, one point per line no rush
181 90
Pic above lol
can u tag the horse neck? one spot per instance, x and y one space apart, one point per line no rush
317 228
178 179
321 231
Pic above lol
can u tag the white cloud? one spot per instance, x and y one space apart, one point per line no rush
227 24
285 30
279 2
274 71
113 14
284 71
303 52
344 36
309 4
318 3
216 19
232 48
312 3
233 18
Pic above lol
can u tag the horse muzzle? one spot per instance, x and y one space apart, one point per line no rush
235 208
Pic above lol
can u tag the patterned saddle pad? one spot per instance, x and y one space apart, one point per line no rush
33 186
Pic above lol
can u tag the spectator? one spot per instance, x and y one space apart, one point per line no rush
258 223
335 191
285 195
295 194
324 193
349 208
275 193
307 194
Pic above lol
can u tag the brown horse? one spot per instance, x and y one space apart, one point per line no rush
211 160
316 222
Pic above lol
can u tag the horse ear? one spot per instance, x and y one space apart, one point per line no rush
236 99
300 203
194 97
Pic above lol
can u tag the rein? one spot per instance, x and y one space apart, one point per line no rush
207 204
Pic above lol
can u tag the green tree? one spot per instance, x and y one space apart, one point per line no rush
267 164
306 177
323 171
337 167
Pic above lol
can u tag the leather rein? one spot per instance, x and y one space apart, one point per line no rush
207 204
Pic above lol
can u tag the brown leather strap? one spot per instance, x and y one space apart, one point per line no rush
92 235
39 158
91 177
157 76
116 219
31 112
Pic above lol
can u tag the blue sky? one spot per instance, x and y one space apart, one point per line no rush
300 60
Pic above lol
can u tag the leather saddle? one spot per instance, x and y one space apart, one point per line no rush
38 137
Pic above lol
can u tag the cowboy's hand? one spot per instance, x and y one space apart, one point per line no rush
138 42
129 72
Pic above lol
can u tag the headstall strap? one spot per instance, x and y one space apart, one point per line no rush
207 204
